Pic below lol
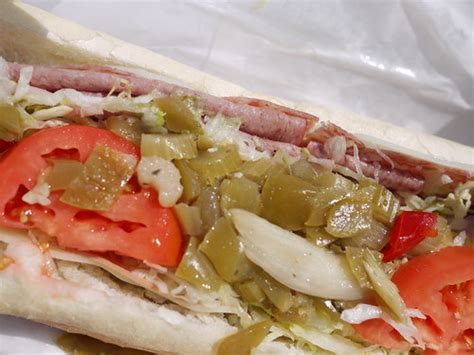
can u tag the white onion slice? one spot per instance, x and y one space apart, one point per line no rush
294 261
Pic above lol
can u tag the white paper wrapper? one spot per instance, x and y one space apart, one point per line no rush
19 336
407 62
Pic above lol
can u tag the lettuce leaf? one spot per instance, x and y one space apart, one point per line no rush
456 204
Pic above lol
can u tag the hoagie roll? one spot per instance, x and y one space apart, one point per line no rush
156 207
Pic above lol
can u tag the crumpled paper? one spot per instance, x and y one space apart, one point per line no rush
406 62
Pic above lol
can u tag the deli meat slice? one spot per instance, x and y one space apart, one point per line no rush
277 126
267 145
394 170
272 106
265 122
262 122
390 177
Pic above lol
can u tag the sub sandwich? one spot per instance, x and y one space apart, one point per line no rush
195 219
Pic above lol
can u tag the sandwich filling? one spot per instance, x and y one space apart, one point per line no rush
290 228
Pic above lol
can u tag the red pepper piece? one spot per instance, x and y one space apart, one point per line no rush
410 228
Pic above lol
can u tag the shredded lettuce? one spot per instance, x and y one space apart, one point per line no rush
457 204
335 147
7 87
87 104
23 83
48 124
357 162
363 312
225 131
384 156
408 331
50 113
330 342
327 164
224 300
153 120
167 285
122 103
347 172
277 332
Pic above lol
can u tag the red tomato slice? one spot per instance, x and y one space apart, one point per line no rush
441 285
5 145
136 226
